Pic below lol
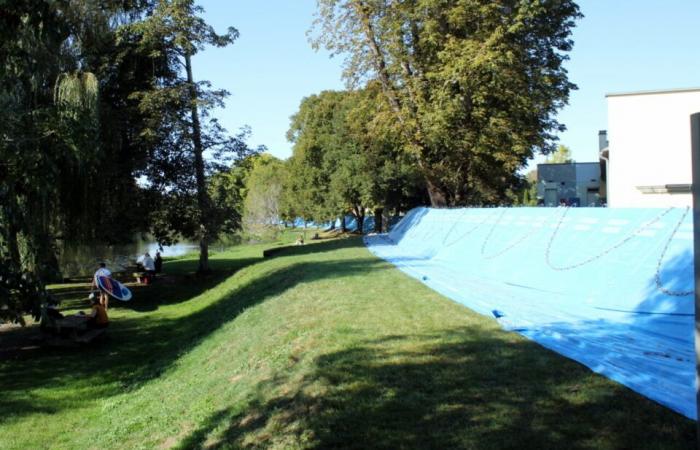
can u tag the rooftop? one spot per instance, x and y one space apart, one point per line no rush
659 91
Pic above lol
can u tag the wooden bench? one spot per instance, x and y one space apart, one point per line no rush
90 335
143 278
71 331
74 340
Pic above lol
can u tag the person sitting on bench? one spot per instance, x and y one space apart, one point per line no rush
49 315
158 262
98 316
149 266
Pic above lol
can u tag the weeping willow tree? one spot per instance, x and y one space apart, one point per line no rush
37 169
77 93
77 130
51 148
30 48
76 97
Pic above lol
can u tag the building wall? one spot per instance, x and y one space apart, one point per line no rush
649 142
588 183
568 181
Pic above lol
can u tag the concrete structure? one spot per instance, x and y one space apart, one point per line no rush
576 183
647 162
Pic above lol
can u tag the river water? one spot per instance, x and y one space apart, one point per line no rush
82 260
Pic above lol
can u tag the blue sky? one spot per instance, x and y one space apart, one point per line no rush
620 46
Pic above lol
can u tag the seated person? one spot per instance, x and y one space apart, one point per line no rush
98 316
148 264
49 315
158 263
300 240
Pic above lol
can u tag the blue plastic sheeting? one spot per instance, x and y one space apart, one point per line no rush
351 223
367 226
301 223
610 288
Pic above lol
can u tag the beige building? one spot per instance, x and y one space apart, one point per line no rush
647 161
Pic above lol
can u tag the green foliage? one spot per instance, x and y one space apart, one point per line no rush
473 86
49 142
346 157
526 194
21 292
80 91
561 156
261 207
92 99
179 128
226 191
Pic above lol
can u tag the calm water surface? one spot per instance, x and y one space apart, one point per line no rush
82 260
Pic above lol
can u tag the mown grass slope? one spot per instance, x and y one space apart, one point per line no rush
324 346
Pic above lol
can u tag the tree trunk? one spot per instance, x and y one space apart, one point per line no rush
438 198
343 227
12 231
378 224
378 61
359 213
202 194
361 224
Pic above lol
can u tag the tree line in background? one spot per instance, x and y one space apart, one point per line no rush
447 101
471 86
106 133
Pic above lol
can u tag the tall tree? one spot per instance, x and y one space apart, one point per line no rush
473 85
311 132
51 141
345 157
175 32
262 205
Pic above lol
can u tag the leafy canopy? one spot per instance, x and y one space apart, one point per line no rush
473 85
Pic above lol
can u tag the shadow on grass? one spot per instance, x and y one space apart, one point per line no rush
462 388
177 284
140 349
318 246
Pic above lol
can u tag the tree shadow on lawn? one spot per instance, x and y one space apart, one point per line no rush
318 246
139 350
463 388
180 282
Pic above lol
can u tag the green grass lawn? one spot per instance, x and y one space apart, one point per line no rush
323 346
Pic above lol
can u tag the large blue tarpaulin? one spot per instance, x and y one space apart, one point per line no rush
351 223
610 288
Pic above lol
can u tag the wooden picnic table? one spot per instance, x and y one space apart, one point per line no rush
73 324
77 328
78 321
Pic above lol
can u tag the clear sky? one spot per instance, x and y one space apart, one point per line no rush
620 46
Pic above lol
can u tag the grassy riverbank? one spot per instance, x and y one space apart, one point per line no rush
323 346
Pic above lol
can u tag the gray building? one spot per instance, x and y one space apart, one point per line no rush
578 184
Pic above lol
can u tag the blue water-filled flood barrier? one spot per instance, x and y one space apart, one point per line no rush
367 226
609 288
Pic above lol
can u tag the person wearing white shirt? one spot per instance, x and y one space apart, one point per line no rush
148 264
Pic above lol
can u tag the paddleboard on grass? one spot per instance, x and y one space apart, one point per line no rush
113 288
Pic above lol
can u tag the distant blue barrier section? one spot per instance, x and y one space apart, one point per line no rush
351 223
610 288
